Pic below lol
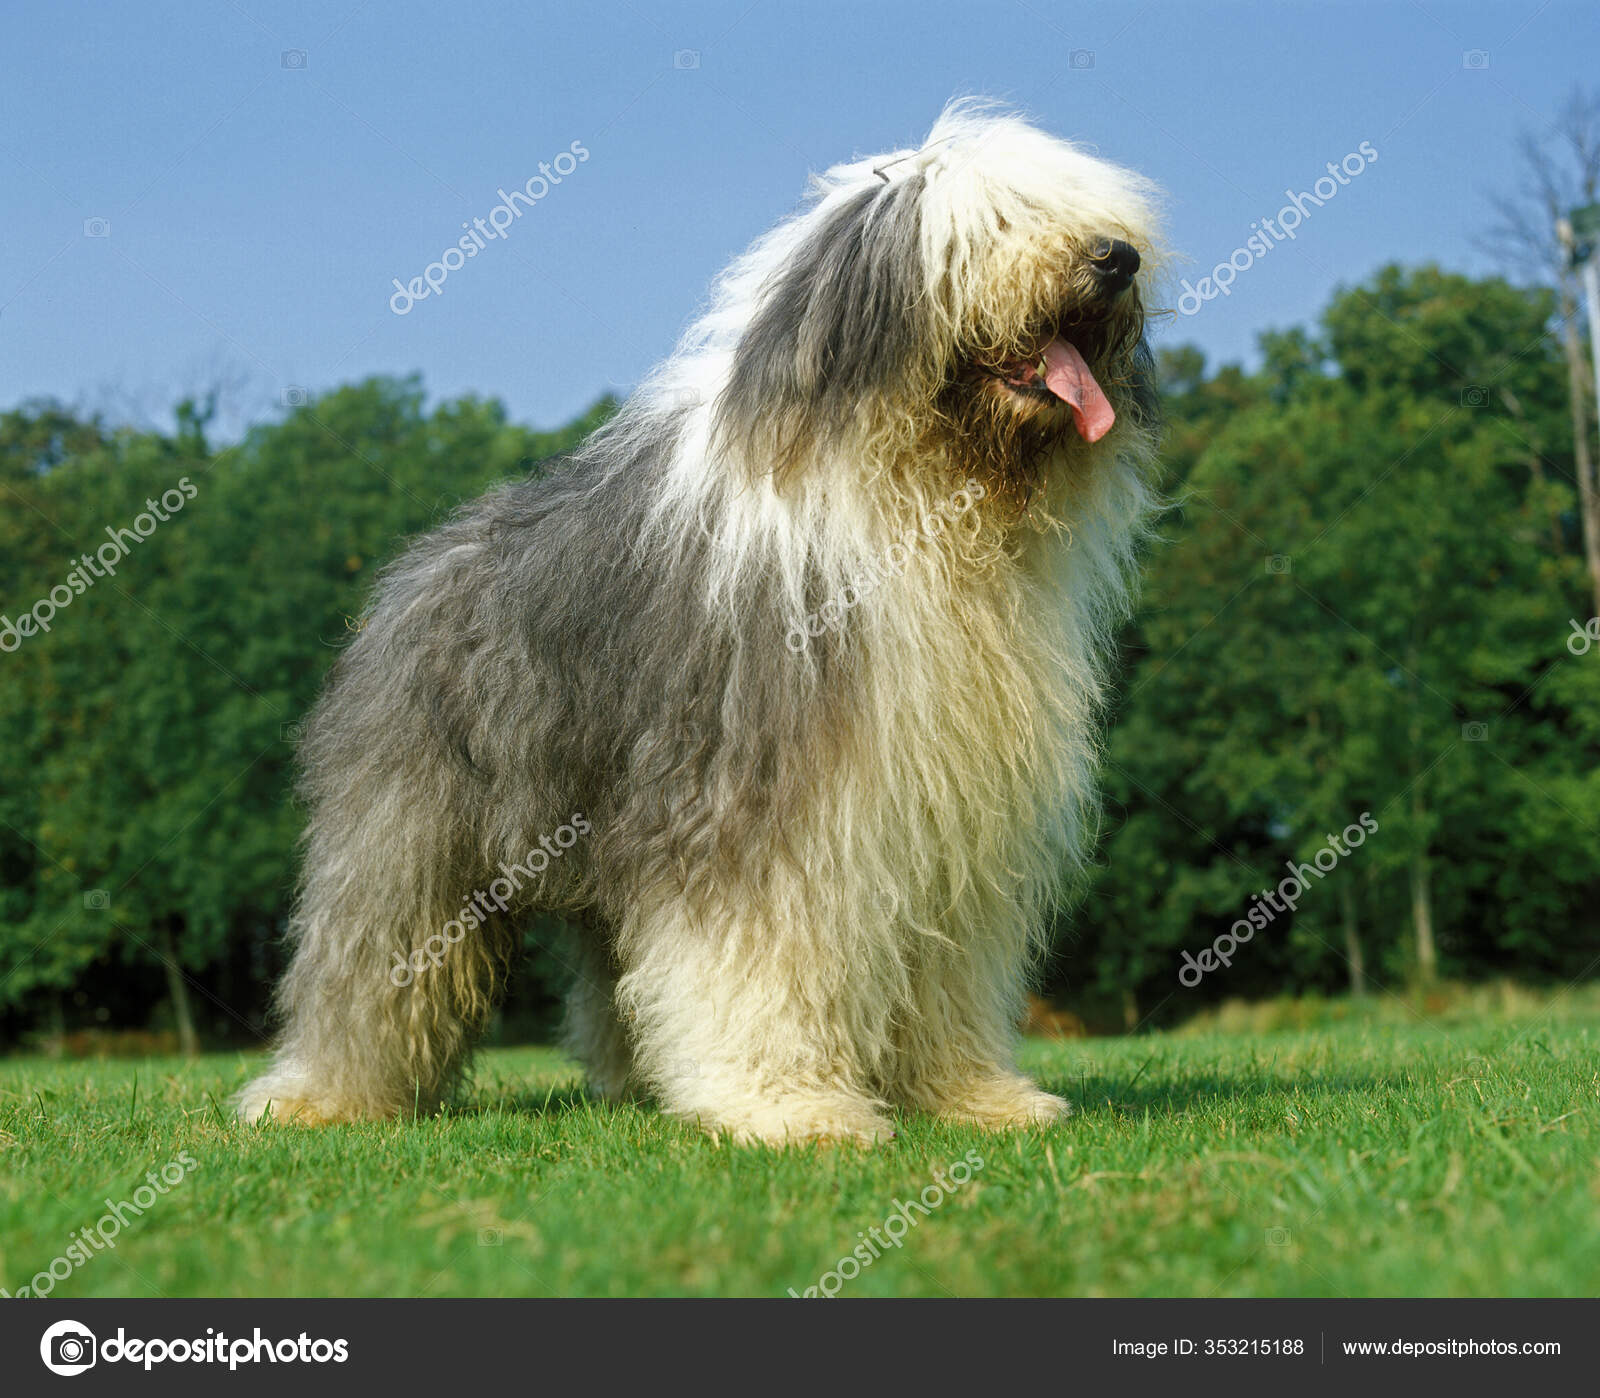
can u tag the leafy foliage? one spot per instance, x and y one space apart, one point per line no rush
149 735
1361 605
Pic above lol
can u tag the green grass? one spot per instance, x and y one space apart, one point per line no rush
1367 1158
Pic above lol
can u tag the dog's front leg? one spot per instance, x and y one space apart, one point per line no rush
955 1052
754 1028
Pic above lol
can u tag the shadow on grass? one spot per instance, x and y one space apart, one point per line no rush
528 1100
1095 1094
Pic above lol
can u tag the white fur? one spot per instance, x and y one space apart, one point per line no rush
893 970
869 945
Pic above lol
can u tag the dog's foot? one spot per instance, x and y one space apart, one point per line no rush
1004 1104
279 1109
288 1102
613 1089
804 1120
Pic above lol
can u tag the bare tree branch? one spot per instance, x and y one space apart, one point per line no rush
1560 172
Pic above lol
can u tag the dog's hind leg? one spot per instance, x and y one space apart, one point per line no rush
389 985
397 956
595 1033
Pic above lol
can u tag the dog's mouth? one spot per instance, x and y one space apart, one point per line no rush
1058 372
1099 321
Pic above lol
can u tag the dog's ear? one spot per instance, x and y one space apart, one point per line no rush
1143 389
834 326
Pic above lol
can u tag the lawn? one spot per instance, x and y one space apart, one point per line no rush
1385 1155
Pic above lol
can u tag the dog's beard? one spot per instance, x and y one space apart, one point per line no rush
1006 419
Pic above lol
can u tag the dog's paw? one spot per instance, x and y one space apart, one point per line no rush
806 1121
1006 1105
1042 1109
280 1103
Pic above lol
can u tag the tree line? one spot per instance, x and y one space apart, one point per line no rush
1355 742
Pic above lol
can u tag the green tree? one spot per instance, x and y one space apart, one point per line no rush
146 792
1361 609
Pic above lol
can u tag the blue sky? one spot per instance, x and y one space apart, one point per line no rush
257 210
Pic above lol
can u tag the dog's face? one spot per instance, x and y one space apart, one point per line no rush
1053 373
981 298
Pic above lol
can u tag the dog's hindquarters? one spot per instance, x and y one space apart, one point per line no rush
393 972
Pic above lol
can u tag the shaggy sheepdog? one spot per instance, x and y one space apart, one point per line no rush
783 689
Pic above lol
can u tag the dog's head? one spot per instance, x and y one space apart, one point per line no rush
981 297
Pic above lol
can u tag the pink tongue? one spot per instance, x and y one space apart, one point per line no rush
1068 377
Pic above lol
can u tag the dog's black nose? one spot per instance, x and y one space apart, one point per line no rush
1114 262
